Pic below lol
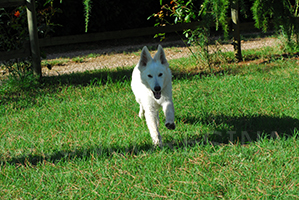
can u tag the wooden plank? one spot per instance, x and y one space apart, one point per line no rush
14 54
11 3
20 53
32 27
92 37
236 30
248 26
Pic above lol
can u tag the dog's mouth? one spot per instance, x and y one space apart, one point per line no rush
157 95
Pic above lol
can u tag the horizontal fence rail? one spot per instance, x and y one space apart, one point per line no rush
93 37
11 3
20 53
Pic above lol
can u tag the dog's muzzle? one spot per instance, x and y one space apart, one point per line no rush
157 92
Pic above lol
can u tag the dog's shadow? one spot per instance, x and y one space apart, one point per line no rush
244 129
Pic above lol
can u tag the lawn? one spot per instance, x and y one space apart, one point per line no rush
78 136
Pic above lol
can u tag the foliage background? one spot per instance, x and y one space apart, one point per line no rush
105 15
69 16
114 15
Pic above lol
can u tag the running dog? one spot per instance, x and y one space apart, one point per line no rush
151 85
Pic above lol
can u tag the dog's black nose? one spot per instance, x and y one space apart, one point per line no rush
157 88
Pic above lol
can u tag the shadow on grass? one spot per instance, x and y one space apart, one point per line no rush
96 151
54 84
246 129
102 76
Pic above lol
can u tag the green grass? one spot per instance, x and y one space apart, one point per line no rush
78 136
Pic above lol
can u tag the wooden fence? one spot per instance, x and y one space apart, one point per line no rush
92 37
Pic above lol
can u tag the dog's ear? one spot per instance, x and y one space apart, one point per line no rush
145 57
160 56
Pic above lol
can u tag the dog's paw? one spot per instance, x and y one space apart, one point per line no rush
170 126
157 142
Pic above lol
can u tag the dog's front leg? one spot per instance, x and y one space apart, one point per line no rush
152 125
141 112
168 110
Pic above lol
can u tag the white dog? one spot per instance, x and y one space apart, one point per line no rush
151 84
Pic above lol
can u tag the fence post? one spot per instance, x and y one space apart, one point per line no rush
236 30
32 27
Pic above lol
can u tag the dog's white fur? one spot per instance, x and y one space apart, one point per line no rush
151 84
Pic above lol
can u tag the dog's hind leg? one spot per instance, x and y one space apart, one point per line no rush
152 125
168 110
158 119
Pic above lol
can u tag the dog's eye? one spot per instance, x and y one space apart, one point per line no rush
160 74
150 76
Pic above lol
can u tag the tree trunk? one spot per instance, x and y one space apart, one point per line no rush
236 30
